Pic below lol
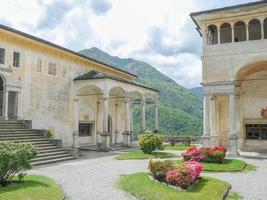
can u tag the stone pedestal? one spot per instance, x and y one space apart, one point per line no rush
126 139
205 140
233 146
76 140
214 140
105 142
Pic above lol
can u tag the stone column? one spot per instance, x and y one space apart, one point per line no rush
131 121
219 34
233 33
116 123
126 133
206 119
143 124
262 30
247 32
97 140
213 121
156 118
5 106
105 136
232 137
76 124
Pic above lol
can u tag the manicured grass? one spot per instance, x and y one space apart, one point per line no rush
176 147
231 165
141 186
234 196
33 188
140 155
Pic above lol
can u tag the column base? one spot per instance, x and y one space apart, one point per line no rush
126 139
76 144
233 146
105 142
205 140
214 140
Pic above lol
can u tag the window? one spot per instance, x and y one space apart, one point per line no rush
256 131
212 35
226 33
2 55
254 29
16 59
240 31
52 69
39 65
85 129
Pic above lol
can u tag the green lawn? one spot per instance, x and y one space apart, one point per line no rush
140 155
231 165
176 147
33 188
141 186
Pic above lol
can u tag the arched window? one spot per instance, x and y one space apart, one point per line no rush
265 28
240 31
212 35
254 29
226 33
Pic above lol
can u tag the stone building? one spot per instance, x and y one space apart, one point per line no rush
234 73
80 100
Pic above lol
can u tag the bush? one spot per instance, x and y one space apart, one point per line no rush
159 168
149 141
184 175
214 154
194 154
14 160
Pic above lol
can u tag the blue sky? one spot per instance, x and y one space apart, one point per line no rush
158 32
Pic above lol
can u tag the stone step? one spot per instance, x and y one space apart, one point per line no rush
50 150
25 140
45 162
50 157
22 137
11 135
16 130
53 153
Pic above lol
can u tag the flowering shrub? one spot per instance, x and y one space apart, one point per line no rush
193 153
196 168
159 168
185 174
149 141
207 154
214 154
14 160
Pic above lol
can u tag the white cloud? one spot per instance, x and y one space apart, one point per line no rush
159 32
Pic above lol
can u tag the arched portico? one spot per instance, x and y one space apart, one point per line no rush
113 99
232 109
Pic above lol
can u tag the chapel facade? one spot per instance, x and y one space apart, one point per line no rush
234 76
81 101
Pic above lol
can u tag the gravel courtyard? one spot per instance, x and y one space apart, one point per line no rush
94 178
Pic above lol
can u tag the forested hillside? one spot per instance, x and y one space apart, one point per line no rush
180 111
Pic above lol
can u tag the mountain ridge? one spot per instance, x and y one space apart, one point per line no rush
180 111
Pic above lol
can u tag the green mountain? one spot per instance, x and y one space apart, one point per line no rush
180 111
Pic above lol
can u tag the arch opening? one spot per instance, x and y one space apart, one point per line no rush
212 35
240 31
254 29
265 28
226 33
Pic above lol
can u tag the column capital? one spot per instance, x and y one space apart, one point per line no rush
213 97
98 102
105 97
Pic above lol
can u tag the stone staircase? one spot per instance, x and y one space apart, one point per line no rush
48 153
